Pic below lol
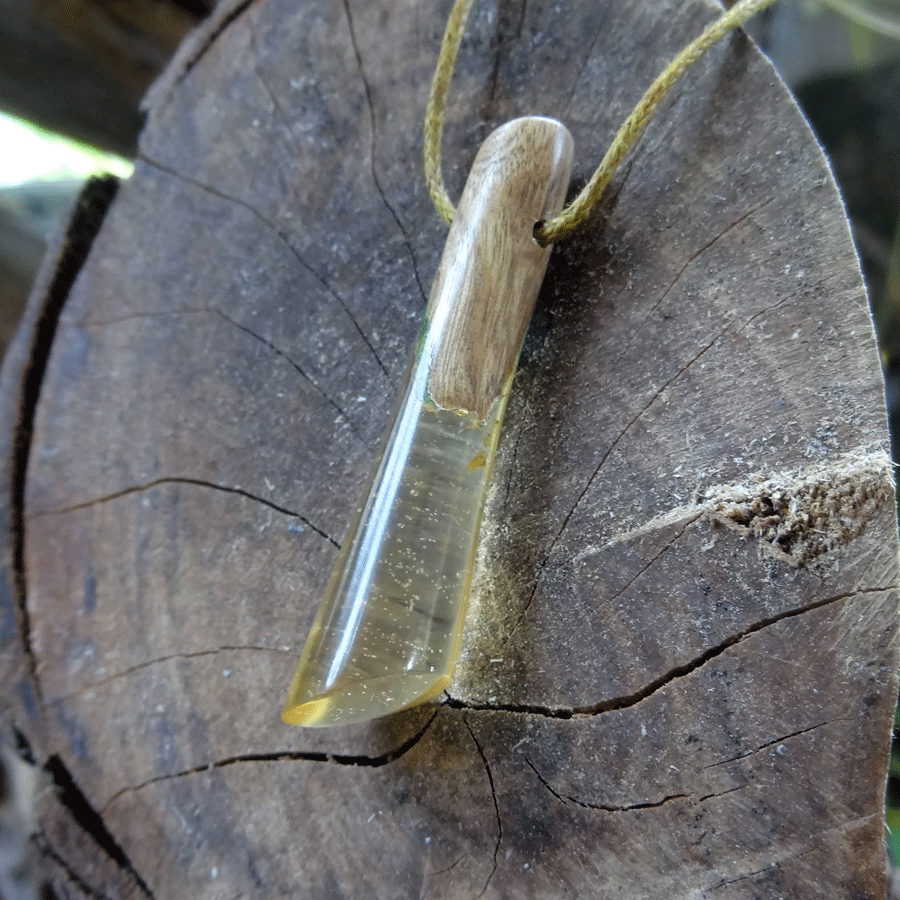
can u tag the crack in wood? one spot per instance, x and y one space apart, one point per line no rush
650 804
85 223
488 111
715 795
490 777
664 549
278 352
773 742
367 87
544 781
340 759
276 105
47 850
527 395
84 324
194 482
543 563
692 259
631 424
163 659
503 37
675 673
212 310
452 865
774 866
602 807
522 16
820 284
587 58
610 201
228 198
91 821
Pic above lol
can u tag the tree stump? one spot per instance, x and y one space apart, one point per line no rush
679 677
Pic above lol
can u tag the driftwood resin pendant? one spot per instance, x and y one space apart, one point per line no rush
388 632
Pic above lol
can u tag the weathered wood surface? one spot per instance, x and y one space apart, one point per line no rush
680 673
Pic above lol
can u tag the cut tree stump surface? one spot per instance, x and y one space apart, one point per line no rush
679 674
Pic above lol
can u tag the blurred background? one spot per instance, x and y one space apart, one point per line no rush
72 73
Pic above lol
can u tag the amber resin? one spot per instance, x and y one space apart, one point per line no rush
388 632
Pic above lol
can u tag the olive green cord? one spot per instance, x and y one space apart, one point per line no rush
628 134
437 106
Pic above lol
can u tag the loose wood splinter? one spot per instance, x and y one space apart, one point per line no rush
388 632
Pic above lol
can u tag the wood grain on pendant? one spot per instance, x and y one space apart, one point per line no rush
492 267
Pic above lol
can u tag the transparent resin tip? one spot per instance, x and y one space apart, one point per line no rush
388 633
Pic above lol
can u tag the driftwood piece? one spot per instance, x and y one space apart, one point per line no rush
680 673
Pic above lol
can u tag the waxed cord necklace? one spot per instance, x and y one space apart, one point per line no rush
562 226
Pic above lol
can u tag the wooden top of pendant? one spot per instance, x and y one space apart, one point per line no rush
680 674
492 268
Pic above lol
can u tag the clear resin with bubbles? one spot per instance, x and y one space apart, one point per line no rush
387 635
